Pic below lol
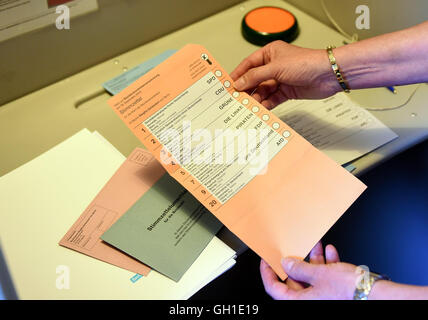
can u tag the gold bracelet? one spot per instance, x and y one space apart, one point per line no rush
336 69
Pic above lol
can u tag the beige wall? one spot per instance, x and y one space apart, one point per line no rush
386 15
36 59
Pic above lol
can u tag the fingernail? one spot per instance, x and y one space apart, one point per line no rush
328 252
239 84
287 263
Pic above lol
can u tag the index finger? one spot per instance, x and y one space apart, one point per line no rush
316 256
256 59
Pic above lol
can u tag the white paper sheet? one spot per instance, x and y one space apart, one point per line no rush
38 203
337 126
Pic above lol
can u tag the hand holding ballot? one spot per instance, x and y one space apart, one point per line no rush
282 71
312 281
259 177
279 72
259 158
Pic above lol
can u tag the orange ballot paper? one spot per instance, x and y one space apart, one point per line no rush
261 179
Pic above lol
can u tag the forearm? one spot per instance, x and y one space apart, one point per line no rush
396 58
388 290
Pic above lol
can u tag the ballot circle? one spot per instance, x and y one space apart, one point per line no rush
235 94
227 83
286 134
265 117
255 109
218 73
245 101
275 125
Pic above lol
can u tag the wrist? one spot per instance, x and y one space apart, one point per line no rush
362 66
326 79
378 289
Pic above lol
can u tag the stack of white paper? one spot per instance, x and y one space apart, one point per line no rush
38 203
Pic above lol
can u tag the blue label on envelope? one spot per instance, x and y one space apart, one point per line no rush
117 84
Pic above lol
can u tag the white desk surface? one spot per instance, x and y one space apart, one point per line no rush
36 122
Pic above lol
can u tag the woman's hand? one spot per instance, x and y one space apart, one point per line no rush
281 71
323 278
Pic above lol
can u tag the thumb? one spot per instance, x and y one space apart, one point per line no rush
253 77
300 270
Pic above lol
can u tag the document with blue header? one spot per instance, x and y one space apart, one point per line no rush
117 84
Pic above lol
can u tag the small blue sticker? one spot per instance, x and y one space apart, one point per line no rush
350 167
136 277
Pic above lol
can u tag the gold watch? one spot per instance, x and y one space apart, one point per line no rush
366 283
